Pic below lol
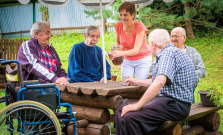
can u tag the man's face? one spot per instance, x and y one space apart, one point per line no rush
177 38
43 37
92 38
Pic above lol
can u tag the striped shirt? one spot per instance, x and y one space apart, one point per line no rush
180 71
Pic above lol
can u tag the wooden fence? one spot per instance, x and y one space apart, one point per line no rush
9 48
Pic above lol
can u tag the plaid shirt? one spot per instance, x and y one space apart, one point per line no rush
48 61
180 71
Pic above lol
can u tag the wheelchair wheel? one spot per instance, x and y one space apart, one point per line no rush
28 117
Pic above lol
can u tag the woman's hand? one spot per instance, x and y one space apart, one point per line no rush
117 53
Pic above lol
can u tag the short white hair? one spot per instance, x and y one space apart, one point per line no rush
38 27
90 28
181 29
160 37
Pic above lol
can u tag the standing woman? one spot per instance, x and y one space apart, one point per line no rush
131 34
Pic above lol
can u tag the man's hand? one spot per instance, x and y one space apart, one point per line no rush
130 108
102 79
130 80
62 80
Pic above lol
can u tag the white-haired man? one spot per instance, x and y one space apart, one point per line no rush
39 59
169 94
178 37
85 60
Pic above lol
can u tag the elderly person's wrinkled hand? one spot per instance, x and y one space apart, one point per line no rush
130 80
62 80
129 108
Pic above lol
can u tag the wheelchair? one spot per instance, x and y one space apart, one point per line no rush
29 109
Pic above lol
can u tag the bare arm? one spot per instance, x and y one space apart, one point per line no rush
150 93
133 81
135 50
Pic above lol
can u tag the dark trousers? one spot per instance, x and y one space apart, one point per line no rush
151 116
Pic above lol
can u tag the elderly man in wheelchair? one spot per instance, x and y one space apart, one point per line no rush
40 116
37 60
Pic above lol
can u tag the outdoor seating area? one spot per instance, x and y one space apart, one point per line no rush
98 98
111 67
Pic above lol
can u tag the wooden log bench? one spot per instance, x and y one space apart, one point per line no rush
92 100
201 121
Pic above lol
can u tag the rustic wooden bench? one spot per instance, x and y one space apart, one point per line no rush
201 121
93 98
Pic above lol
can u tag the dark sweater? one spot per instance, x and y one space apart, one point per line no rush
86 64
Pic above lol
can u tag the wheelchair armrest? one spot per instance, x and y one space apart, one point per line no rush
31 81
2 59
39 86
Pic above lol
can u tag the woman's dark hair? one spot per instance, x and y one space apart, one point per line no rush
129 7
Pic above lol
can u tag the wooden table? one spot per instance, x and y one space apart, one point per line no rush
92 101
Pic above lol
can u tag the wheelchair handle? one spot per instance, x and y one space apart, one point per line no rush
4 62
39 86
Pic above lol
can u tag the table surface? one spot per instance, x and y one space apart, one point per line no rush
102 89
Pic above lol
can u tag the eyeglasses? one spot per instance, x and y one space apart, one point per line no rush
176 36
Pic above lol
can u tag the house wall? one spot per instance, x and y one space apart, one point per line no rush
20 18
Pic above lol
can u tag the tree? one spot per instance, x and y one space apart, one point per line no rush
45 13
96 15
107 13
195 15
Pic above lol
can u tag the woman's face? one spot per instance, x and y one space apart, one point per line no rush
126 16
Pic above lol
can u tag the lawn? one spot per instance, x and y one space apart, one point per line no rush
210 48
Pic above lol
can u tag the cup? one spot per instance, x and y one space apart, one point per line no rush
123 79
113 77
110 56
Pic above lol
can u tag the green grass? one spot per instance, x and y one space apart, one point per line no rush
211 51
209 47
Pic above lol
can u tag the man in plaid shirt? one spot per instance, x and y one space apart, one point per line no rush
39 59
169 94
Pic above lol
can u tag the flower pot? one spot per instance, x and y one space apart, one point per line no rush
205 100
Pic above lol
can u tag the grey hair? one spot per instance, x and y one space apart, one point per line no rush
38 27
161 37
181 29
91 28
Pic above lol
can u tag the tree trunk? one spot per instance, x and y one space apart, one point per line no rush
189 27
93 115
210 122
91 129
174 130
82 123
212 133
45 15
92 101
195 130
104 24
